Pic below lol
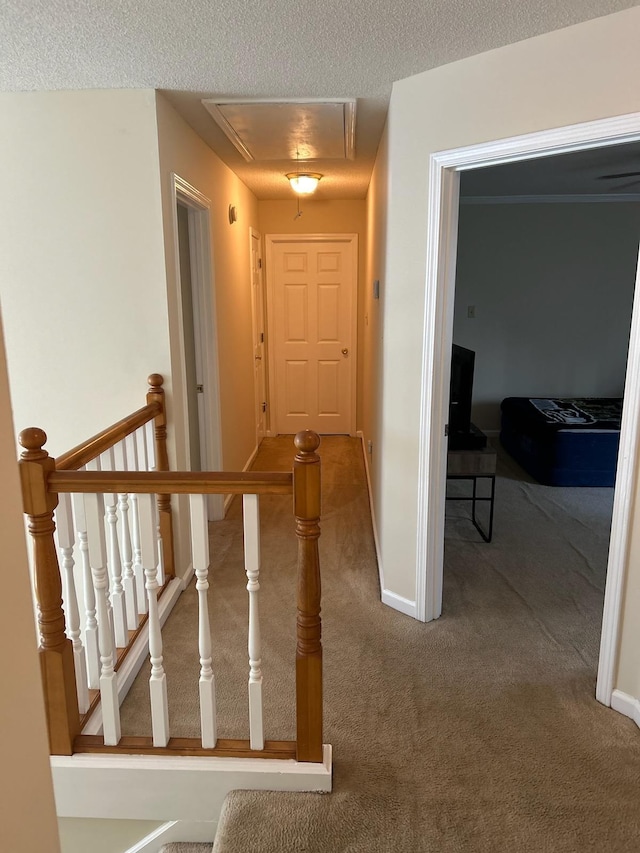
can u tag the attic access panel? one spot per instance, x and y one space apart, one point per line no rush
286 130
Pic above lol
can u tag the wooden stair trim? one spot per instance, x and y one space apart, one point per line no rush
226 748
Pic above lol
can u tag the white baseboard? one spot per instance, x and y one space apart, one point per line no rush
391 599
404 605
138 654
367 471
247 465
627 705
186 578
176 831
172 788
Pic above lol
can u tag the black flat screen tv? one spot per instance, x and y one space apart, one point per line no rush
461 390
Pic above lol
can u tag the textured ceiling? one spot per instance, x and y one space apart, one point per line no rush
197 49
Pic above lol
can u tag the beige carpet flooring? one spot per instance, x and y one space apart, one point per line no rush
478 732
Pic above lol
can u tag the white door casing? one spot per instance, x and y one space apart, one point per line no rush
259 335
204 331
437 339
312 297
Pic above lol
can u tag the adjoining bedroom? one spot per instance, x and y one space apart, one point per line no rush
546 270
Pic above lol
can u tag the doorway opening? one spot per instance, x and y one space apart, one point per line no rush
444 191
197 334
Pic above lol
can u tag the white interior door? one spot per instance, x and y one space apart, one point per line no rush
312 313
259 349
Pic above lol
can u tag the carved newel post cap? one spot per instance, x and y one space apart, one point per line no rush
32 438
307 441
155 381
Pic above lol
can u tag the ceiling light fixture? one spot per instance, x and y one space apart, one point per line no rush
304 183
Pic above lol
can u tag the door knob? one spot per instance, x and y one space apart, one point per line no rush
345 351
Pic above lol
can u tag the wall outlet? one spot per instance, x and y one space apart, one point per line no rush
471 312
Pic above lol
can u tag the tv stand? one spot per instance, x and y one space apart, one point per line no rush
474 439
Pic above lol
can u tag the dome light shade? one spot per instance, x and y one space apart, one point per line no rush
304 183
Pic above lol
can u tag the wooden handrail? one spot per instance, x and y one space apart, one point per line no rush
171 482
97 444
155 396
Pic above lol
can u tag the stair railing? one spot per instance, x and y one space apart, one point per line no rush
101 495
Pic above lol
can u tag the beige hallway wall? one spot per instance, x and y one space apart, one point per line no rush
545 82
82 285
326 217
182 152
25 774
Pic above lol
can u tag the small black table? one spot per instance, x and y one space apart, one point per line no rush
474 465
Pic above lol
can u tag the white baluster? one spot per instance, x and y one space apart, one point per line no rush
147 458
94 511
158 679
150 441
90 624
200 557
251 515
94 465
66 539
126 549
118 602
132 465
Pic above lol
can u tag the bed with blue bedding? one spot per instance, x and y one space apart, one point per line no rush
563 441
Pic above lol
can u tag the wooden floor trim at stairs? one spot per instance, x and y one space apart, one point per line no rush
278 749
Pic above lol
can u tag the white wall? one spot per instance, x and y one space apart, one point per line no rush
25 775
82 279
578 74
552 287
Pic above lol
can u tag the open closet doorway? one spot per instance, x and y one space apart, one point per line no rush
444 197
198 334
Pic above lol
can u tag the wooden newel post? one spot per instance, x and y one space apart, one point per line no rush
156 395
56 651
306 507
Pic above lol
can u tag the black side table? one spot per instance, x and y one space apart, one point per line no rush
474 465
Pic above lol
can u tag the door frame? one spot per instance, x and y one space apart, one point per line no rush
444 192
205 329
270 241
254 234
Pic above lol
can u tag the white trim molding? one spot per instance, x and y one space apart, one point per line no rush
205 330
627 705
168 788
443 201
391 599
176 831
367 471
397 602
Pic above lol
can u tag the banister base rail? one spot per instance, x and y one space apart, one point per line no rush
176 787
